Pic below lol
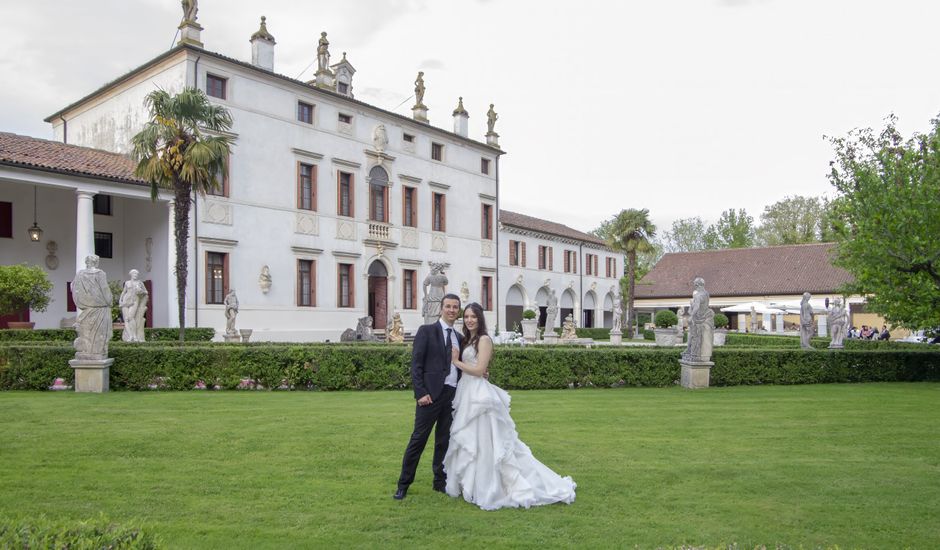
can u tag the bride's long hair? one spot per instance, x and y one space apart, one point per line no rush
473 339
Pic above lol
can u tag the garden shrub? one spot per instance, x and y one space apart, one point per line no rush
40 532
666 319
743 340
593 333
193 334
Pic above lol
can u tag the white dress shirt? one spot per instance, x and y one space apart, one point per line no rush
451 379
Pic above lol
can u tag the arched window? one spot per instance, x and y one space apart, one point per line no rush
378 194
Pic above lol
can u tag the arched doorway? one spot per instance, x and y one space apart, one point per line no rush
609 310
541 298
566 305
378 294
515 302
587 310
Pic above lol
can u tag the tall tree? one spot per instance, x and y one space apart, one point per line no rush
793 220
887 218
631 232
686 235
175 152
734 229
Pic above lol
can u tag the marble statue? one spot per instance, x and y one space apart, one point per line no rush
433 287
806 321
683 321
133 304
419 89
379 138
551 312
701 325
568 328
838 320
753 320
618 314
323 54
190 8
491 117
94 298
396 332
362 332
231 311
464 293
264 280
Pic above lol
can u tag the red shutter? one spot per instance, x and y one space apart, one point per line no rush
551 260
567 262
523 253
339 193
443 212
512 252
300 186
313 187
595 266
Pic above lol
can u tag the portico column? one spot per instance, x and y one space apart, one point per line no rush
84 227
779 325
766 322
171 301
822 321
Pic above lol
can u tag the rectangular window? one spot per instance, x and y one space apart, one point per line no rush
216 277
437 151
517 253
345 286
409 207
343 87
344 194
6 220
486 293
486 222
102 204
485 166
215 86
378 202
408 138
611 267
439 216
543 257
306 283
571 261
305 112
222 189
103 244
306 186
409 289
345 119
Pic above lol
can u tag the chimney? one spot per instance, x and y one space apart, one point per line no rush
461 116
262 48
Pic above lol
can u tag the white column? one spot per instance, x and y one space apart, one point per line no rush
84 227
779 326
766 320
823 321
171 302
742 322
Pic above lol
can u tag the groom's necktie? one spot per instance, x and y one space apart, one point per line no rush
449 344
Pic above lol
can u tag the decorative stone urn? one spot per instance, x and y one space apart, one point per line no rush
666 337
530 329
718 338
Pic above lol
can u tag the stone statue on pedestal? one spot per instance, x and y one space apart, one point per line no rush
433 286
806 321
133 304
396 332
264 280
190 8
419 90
491 117
838 319
93 297
701 325
618 314
323 54
231 311
569 328
551 312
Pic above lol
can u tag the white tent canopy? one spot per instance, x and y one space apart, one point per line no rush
819 306
759 307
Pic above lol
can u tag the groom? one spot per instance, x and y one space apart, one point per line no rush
435 380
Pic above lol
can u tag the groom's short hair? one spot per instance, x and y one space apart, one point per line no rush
451 296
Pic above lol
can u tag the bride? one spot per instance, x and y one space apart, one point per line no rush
486 461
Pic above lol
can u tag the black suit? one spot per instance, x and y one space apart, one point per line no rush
430 365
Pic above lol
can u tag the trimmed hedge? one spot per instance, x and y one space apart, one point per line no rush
331 367
68 335
593 333
743 340
100 533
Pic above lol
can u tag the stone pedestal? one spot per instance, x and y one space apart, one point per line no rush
492 138
616 337
189 33
550 337
246 334
231 337
695 374
91 375
324 79
420 113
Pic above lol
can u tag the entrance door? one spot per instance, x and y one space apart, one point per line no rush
378 295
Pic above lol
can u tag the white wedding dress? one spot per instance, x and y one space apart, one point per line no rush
486 462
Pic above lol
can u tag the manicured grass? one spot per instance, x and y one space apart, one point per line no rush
856 466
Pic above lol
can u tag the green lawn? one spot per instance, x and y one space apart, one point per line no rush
856 466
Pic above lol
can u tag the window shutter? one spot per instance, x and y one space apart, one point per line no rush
339 193
567 262
300 187
512 252
595 265
523 253
551 262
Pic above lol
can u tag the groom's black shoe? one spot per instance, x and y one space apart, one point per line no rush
400 493
440 489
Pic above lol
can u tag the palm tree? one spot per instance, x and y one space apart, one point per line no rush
631 232
174 152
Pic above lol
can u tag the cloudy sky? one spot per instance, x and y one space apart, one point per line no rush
684 107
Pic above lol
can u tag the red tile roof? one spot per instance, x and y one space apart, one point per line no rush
746 272
53 156
544 226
